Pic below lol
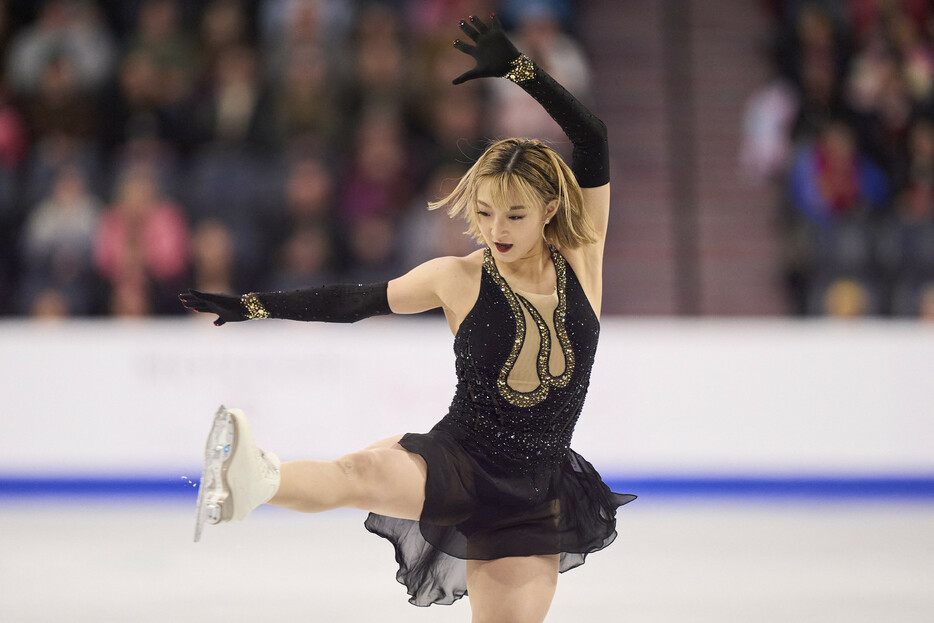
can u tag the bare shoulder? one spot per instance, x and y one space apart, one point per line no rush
461 288
452 273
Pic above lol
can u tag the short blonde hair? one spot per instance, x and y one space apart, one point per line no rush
537 174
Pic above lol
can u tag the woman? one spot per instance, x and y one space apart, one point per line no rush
494 483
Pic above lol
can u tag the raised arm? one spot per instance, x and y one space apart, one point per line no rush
496 56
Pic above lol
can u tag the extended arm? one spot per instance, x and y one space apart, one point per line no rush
496 56
427 286
332 303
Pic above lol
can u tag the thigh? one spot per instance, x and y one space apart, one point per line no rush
389 479
389 442
513 590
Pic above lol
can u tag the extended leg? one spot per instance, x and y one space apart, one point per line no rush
384 478
511 590
238 476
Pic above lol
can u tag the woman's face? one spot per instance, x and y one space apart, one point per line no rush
512 231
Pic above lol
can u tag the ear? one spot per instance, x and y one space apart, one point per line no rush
551 208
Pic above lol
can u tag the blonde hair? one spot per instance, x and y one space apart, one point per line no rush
538 175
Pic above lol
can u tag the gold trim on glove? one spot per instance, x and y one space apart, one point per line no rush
254 309
523 69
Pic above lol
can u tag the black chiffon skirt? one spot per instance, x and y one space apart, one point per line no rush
476 509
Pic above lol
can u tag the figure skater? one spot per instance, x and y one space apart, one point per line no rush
491 502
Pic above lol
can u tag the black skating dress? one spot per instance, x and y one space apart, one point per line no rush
502 478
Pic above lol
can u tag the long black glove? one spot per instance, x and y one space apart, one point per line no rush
496 56
333 303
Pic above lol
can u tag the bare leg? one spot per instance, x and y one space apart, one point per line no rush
383 478
511 590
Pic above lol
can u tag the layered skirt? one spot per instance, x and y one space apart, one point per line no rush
479 509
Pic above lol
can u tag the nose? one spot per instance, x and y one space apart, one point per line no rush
500 227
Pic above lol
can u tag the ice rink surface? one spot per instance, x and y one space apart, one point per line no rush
678 560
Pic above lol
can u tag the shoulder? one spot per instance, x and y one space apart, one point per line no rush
459 273
450 269
441 282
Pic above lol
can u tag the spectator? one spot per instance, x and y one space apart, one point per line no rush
376 180
213 257
767 122
135 100
926 303
237 109
455 126
57 247
160 34
847 298
422 236
305 99
378 73
831 179
65 29
373 241
14 139
286 25
59 106
308 202
223 25
305 259
142 246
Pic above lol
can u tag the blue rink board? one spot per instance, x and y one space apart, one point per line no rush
909 487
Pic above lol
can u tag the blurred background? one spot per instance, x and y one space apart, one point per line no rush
771 158
764 375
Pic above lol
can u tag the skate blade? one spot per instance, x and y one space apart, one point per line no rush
213 490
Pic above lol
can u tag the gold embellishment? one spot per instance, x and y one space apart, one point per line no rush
523 69
254 309
516 302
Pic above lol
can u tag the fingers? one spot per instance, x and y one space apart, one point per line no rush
464 77
469 30
478 24
189 301
193 300
466 48
219 321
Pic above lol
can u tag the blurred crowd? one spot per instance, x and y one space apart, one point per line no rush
149 146
845 128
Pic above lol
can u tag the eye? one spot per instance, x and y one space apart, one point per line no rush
516 217
483 213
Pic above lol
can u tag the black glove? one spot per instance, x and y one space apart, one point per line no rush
497 57
227 308
331 303
494 51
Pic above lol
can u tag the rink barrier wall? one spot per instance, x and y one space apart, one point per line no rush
730 407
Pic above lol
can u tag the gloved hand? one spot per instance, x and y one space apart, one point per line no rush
227 308
493 52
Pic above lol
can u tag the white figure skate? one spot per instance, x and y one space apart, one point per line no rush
237 476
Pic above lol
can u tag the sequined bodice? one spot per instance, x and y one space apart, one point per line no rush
494 420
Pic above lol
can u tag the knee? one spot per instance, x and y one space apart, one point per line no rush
360 473
357 466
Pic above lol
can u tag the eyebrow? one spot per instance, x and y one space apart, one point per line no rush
511 208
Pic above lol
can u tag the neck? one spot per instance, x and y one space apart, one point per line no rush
530 267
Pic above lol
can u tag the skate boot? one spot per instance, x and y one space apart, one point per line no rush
237 475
